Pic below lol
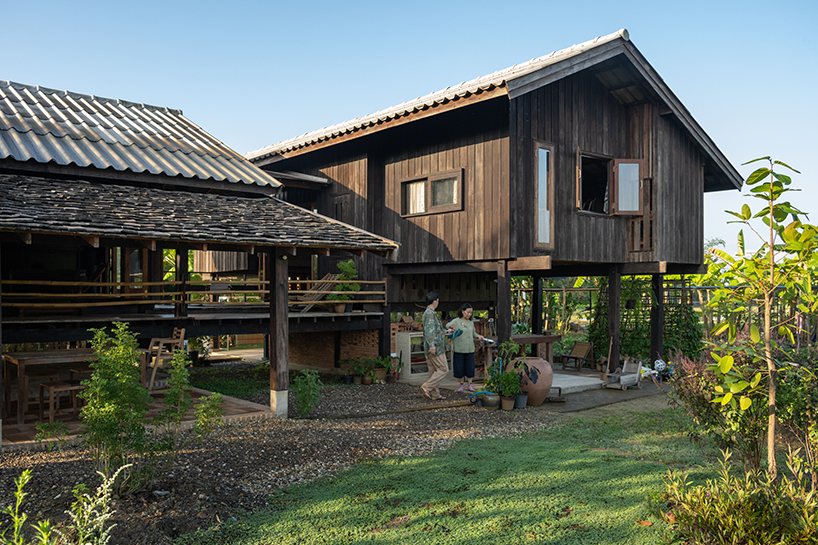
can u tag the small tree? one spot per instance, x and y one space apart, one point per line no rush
780 267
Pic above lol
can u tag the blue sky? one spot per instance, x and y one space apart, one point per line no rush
255 73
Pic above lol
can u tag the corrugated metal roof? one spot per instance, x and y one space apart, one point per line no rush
46 125
465 89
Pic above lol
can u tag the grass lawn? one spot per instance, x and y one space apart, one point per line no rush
582 482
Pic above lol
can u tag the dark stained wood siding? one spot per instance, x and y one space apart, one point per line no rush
680 187
575 111
579 111
370 170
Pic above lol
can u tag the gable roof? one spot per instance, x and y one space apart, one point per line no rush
38 206
57 129
634 83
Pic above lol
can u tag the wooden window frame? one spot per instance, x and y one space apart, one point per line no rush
613 184
540 145
615 190
429 179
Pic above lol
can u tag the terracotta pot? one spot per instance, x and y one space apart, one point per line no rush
366 379
507 403
380 373
339 308
537 379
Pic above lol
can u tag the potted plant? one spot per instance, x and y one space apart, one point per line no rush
199 349
509 389
369 377
356 367
380 365
348 273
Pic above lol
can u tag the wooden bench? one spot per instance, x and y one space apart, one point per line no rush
53 389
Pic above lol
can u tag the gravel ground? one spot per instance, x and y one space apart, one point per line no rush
235 469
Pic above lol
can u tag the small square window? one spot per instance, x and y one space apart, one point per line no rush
440 192
609 186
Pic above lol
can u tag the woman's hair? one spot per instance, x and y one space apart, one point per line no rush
463 307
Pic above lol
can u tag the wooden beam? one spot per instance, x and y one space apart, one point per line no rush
614 296
319 251
201 246
441 268
278 337
356 252
657 318
149 244
536 307
530 263
92 240
502 310
25 235
288 250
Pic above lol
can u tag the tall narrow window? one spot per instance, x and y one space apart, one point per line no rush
545 198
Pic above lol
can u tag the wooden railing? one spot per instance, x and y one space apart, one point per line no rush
37 296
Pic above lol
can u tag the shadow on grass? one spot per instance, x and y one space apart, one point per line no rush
582 483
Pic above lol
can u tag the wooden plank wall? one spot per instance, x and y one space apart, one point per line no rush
642 144
680 216
575 111
475 140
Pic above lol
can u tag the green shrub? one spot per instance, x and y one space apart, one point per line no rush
307 390
509 384
753 510
87 517
115 422
113 419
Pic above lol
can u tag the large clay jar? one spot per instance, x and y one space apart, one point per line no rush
537 378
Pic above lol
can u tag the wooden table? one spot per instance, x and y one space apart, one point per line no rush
44 357
545 344
47 357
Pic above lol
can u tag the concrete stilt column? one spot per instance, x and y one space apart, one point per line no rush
278 403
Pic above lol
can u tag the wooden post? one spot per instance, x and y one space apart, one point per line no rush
657 318
502 309
182 272
536 307
614 294
156 268
278 337
2 368
385 333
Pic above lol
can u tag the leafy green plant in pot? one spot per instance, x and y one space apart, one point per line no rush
347 275
358 369
509 389
199 349
381 366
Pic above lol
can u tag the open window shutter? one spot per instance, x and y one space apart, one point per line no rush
579 178
627 187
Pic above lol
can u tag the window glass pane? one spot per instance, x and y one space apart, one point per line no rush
415 197
628 177
543 213
444 192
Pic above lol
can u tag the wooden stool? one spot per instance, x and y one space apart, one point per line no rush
55 388
79 371
40 377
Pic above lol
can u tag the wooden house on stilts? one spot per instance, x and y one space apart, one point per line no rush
579 163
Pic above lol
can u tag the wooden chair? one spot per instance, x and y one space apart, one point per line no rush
581 353
161 350
53 390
